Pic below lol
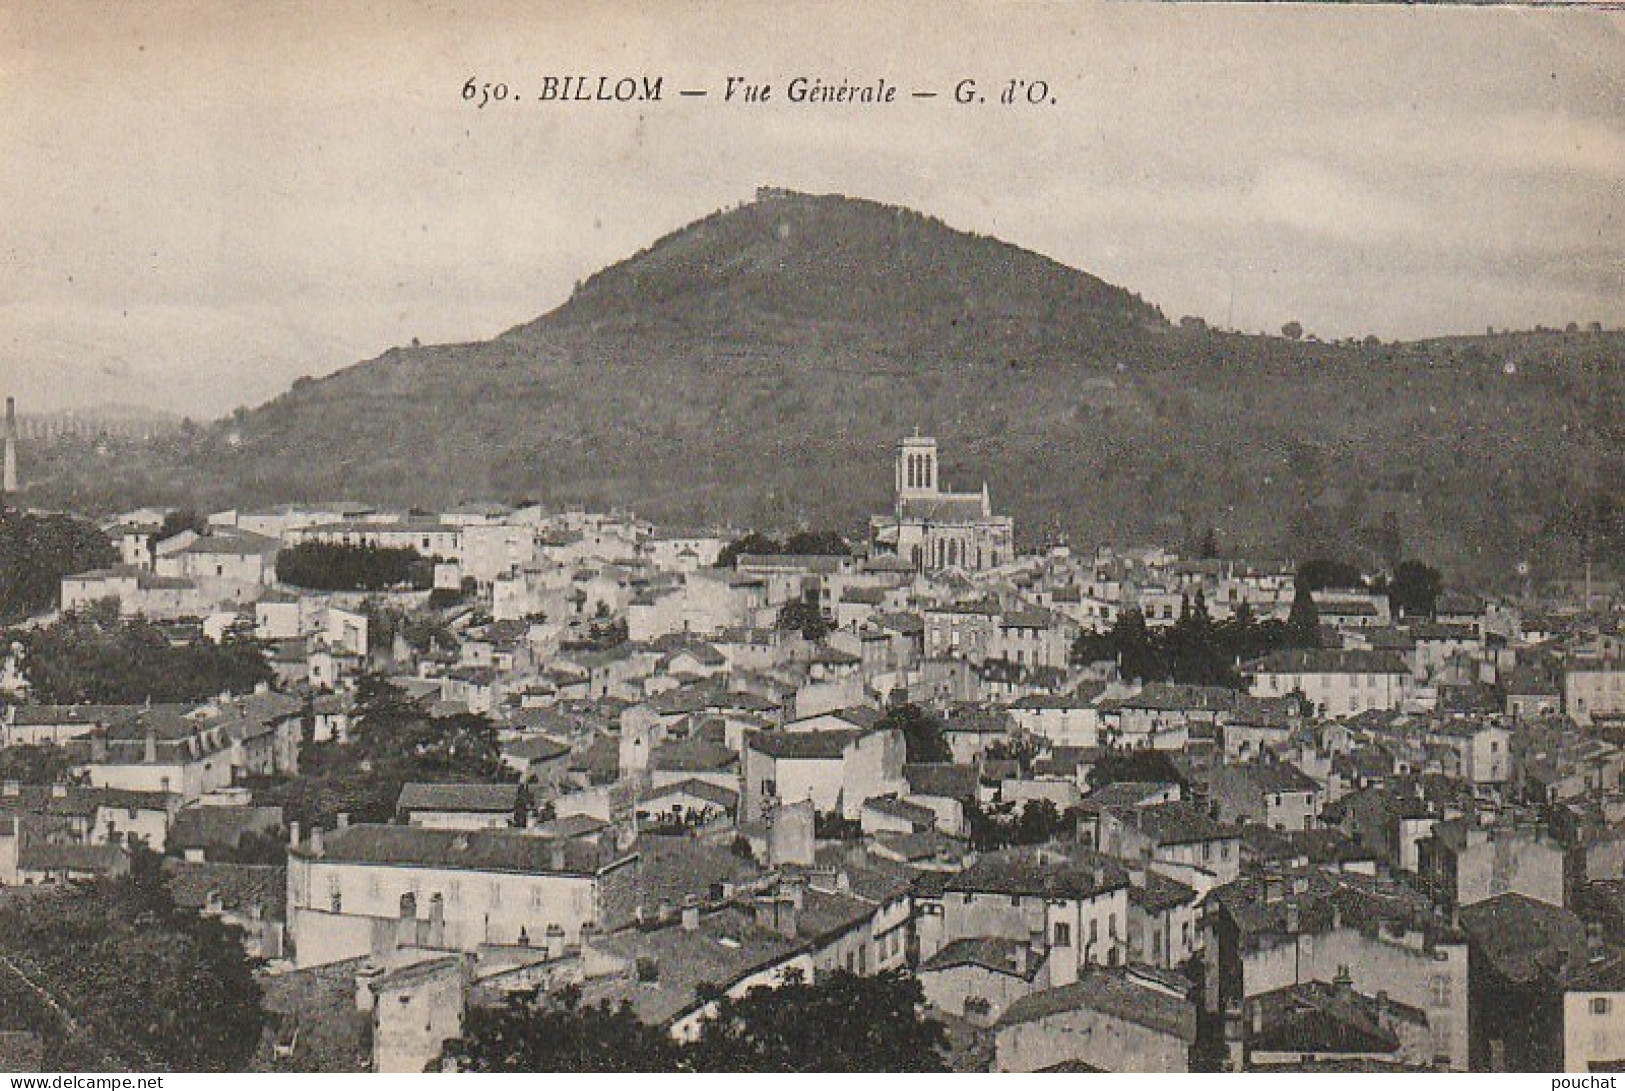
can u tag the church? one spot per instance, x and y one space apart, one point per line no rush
935 530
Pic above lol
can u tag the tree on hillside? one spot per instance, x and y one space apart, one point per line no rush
1292 331
923 740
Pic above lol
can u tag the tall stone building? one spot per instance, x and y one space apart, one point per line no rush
933 529
8 473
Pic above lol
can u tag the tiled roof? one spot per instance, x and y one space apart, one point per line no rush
1321 1019
1159 893
1329 661
218 827
536 749
1114 994
693 755
945 779
943 508
1181 823
239 887
483 798
802 745
511 851
714 794
921 817
1522 938
1012 957
1038 873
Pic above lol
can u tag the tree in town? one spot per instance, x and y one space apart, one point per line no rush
38 763
36 551
154 985
923 739
804 617
530 1032
841 1023
94 657
1414 589
1303 623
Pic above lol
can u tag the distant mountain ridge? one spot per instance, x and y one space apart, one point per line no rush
759 365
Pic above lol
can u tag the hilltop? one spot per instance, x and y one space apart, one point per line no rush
758 365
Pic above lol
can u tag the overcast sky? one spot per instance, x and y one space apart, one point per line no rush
204 201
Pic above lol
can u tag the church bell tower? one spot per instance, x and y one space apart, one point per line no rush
917 467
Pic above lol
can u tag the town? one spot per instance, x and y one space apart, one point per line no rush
406 788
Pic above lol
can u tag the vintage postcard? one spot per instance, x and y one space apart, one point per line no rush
807 537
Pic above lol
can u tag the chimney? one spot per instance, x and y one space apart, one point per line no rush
149 753
316 847
1293 920
1256 1017
344 820
1234 1036
437 921
777 914
691 915
555 856
293 834
8 476
1343 982
795 888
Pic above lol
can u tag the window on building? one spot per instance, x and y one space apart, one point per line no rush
1439 990
1094 930
1111 925
770 788
1599 1005
1063 934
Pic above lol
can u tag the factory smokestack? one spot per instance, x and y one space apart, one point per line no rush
8 478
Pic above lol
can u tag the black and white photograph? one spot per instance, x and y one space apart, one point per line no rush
800 537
